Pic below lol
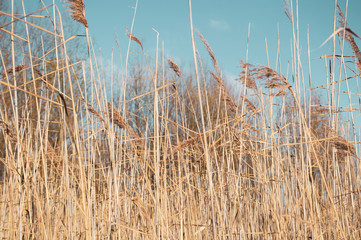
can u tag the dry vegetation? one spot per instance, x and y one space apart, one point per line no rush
176 154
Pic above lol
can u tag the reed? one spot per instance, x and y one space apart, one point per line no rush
77 11
180 155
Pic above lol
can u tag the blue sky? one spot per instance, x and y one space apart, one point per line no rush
225 26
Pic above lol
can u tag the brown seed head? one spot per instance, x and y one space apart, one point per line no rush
77 10
175 67
17 68
11 134
246 78
348 35
211 53
131 36
115 116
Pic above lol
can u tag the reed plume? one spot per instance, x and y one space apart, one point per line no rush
92 110
211 53
17 68
339 142
131 36
8 131
249 104
174 67
115 116
187 143
77 10
273 80
347 34
246 78
118 120
227 97
230 102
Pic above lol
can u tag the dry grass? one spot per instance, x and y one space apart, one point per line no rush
160 163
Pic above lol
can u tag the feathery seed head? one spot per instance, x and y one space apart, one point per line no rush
77 10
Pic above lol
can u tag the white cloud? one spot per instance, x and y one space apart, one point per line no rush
219 24
230 77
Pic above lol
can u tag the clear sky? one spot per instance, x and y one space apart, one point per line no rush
225 24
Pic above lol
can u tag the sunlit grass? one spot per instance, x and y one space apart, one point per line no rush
178 154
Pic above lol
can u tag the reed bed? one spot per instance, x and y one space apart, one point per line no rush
177 154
